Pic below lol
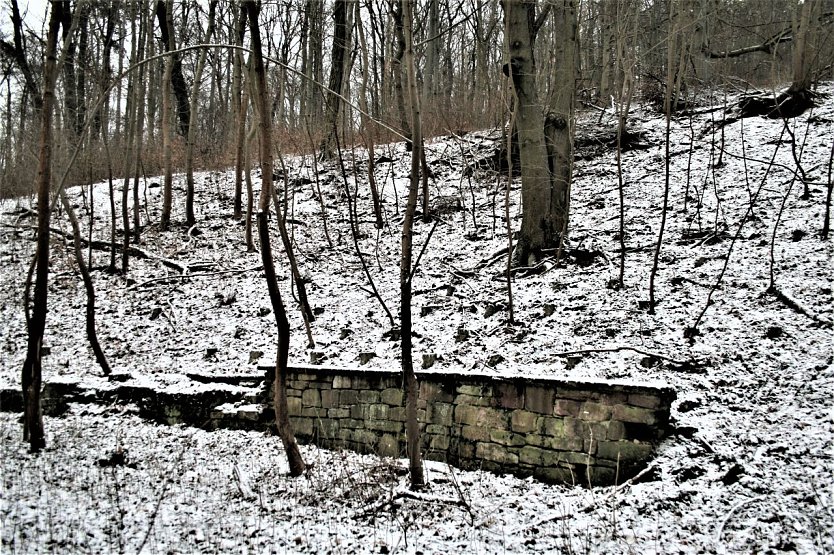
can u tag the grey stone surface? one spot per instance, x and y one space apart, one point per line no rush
554 430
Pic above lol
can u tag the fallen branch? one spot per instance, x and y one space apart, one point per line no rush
133 251
796 307
194 275
730 514
402 492
624 348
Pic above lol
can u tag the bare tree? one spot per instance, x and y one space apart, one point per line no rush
406 271
261 103
36 322
194 110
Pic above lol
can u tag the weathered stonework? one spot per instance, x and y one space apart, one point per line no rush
582 433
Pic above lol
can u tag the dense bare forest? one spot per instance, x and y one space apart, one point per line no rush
334 168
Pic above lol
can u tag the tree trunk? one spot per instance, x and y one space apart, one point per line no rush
412 428
31 378
240 109
397 70
261 102
167 180
165 15
559 124
367 126
337 71
192 129
145 25
544 209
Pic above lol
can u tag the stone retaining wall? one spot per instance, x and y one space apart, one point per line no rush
575 432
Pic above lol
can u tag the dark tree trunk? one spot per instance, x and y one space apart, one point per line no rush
282 419
180 88
412 428
337 71
31 376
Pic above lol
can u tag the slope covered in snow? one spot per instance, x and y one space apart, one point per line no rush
750 467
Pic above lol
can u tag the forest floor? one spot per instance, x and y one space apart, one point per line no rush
749 467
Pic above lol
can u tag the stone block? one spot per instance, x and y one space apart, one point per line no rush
530 455
311 398
341 382
294 406
598 431
555 458
368 396
338 413
594 412
602 476
328 427
314 412
644 401
624 451
495 453
436 429
438 442
539 399
577 394
481 416
615 397
474 433
509 395
432 391
388 446
474 390
565 443
616 430
472 400
392 396
554 426
465 452
558 474
503 437
535 440
359 412
378 412
365 438
566 407
352 423
385 426
524 421
345 436
302 426
626 413
397 414
329 398
348 397
440 413
361 382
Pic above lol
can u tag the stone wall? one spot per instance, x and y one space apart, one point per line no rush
556 430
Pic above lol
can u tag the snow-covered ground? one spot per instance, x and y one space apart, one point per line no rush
750 468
